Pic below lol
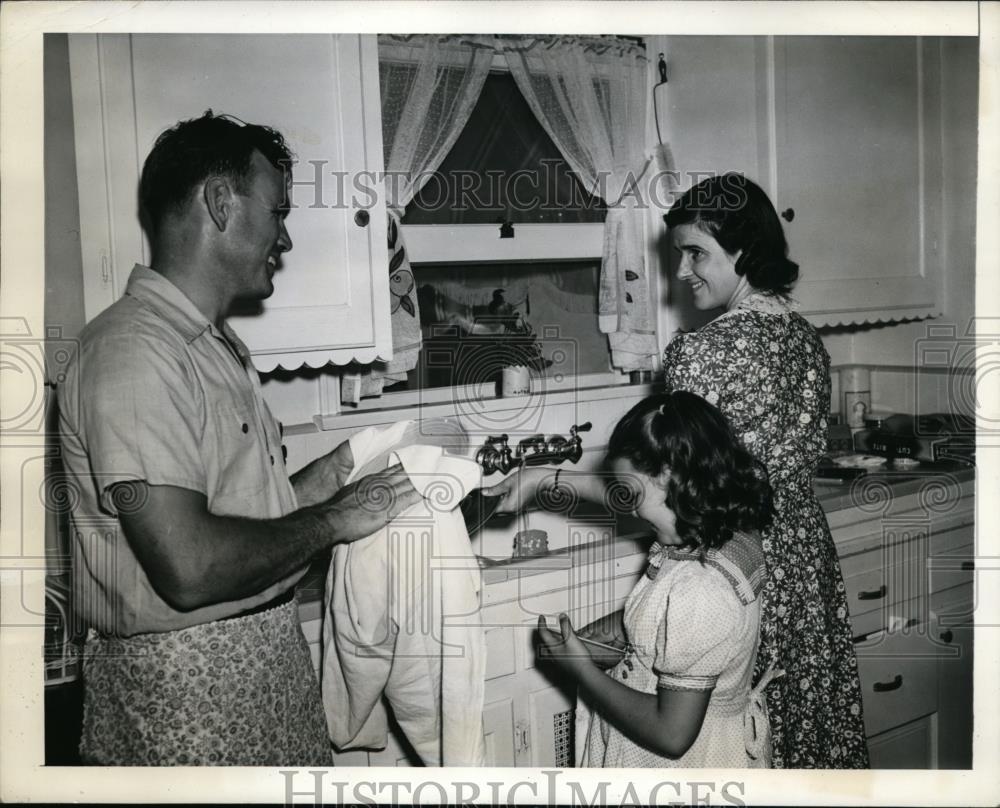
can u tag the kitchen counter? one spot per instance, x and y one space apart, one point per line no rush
631 538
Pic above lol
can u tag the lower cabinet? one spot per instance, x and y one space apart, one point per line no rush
910 746
955 635
909 580
909 575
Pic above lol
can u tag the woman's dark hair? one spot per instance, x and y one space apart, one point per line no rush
715 485
190 152
737 213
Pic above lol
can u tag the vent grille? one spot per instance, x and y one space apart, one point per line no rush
562 739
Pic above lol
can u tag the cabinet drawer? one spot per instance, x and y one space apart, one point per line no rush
954 607
875 594
898 678
957 568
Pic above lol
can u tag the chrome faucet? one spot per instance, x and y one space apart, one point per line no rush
496 454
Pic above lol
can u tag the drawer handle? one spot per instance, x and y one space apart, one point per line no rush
883 687
874 594
947 636
968 566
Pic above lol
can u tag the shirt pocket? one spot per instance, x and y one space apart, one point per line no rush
237 459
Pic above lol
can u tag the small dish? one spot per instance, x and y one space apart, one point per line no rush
863 461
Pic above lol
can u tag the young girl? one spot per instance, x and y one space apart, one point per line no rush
678 692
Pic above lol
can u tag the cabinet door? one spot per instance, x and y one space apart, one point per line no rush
910 746
856 168
330 302
499 733
954 631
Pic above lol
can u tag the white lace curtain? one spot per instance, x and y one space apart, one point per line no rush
589 93
590 96
429 85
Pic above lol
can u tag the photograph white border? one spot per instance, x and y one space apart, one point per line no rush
23 778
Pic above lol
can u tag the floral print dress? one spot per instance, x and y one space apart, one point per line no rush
766 369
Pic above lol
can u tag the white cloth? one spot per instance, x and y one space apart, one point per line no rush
401 615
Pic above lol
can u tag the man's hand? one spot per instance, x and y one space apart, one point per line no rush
368 504
564 649
324 477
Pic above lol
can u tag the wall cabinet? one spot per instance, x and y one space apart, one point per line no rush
845 134
856 173
331 298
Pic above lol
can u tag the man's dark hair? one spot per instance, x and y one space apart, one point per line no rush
716 486
192 151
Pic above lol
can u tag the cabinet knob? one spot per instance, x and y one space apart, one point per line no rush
895 684
361 218
947 636
788 214
873 594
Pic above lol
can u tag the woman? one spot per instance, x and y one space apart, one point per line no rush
766 369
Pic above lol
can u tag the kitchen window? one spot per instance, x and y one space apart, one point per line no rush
503 221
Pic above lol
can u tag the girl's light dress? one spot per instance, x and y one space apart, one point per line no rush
692 624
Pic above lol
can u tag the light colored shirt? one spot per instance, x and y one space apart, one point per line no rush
157 393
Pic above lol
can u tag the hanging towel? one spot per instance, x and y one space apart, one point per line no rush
401 615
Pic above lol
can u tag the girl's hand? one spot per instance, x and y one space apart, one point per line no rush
564 649
607 630
520 489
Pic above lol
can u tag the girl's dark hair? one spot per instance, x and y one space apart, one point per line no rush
715 485
192 151
737 213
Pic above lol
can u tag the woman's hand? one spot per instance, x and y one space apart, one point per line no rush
519 490
607 630
564 649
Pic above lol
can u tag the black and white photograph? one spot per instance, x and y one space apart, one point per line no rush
461 407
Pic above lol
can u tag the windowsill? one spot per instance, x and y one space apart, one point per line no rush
459 407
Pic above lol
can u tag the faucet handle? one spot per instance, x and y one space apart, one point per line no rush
575 430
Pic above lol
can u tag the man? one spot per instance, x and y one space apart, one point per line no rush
189 535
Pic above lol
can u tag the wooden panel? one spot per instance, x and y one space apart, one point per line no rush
500 652
498 733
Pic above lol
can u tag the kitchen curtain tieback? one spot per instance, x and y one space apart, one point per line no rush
589 94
